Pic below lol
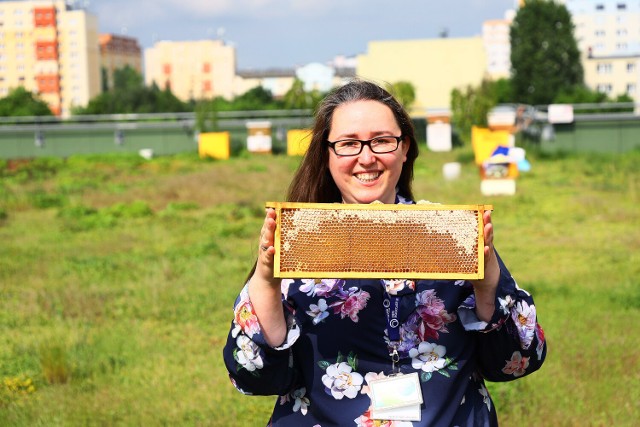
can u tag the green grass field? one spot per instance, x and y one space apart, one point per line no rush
118 275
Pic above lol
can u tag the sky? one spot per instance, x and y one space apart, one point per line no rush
290 33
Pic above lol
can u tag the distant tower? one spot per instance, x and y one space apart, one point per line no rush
51 49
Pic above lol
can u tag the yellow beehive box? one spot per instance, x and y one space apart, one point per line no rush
214 144
298 141
485 141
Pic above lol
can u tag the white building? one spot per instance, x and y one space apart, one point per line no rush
606 27
608 35
497 45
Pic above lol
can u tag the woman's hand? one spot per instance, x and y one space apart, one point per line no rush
266 250
264 289
485 289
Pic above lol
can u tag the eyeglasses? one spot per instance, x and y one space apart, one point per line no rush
353 147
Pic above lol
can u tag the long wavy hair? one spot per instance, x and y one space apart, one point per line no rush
312 182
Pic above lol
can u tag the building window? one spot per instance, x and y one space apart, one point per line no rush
631 67
599 7
622 6
604 88
631 89
166 68
206 67
604 68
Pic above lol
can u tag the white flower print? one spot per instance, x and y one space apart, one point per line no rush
506 304
428 356
524 316
340 381
459 283
284 286
485 396
394 286
300 401
318 312
319 287
248 354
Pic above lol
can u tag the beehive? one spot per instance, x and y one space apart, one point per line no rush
421 241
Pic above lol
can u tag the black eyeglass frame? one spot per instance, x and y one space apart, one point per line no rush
364 142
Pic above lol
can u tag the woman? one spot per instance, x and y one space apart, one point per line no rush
322 345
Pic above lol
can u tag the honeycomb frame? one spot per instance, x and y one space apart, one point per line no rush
449 239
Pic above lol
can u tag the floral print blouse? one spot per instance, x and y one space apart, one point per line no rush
338 342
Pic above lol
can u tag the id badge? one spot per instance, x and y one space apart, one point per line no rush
396 398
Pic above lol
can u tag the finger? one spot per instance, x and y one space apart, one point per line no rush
488 234
267 233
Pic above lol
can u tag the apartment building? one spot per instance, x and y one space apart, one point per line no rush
613 75
497 45
117 51
50 48
201 69
608 35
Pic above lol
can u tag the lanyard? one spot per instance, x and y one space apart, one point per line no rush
391 304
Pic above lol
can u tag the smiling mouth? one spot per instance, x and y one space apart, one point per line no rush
367 176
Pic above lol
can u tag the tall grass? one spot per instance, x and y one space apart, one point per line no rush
117 278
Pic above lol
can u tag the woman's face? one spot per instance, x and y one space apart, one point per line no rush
368 176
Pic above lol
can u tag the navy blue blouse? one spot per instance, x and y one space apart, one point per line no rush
338 341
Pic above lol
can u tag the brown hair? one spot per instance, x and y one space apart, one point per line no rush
312 182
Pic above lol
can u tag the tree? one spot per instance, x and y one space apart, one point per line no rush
21 102
503 91
130 95
471 106
404 92
544 54
297 98
206 116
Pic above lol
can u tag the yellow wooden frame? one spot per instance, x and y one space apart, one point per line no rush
372 208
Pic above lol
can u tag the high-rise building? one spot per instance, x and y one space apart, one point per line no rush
606 27
497 45
193 70
116 52
608 35
50 48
